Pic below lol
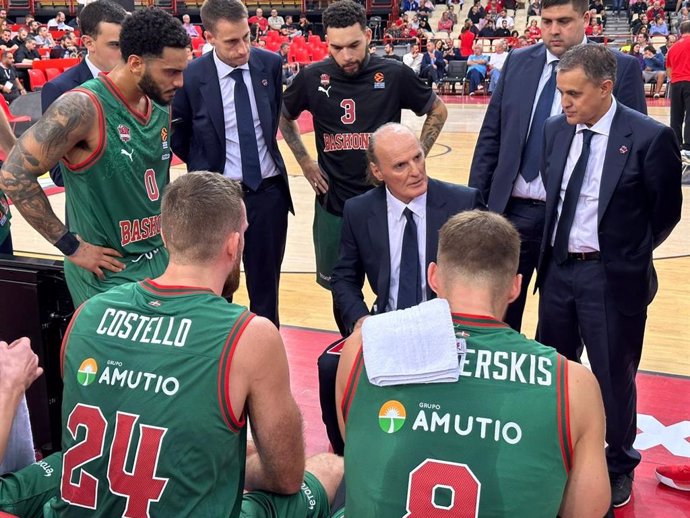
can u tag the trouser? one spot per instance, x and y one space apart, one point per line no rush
475 77
680 112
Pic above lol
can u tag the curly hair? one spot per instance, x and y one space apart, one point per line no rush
344 13
106 11
148 31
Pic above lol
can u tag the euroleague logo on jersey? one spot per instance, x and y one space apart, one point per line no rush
124 133
86 374
164 137
392 416
379 83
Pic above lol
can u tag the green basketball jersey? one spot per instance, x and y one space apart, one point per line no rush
114 196
493 444
5 216
146 409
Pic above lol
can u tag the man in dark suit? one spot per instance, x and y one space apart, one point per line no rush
375 241
505 167
225 120
613 194
433 65
100 23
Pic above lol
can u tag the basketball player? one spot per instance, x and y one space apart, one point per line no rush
518 434
111 139
161 377
350 94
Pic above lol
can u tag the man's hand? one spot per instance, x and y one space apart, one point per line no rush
312 172
18 366
96 258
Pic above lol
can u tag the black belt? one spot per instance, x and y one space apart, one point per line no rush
584 256
265 183
527 201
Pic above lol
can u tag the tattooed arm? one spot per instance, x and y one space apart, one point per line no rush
68 123
310 168
433 125
7 138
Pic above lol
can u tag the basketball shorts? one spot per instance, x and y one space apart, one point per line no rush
83 284
310 502
25 492
326 232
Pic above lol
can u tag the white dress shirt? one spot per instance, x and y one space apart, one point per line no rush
92 68
233 153
396 228
535 190
584 234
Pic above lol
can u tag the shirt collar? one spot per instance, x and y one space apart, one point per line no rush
92 68
417 205
603 125
223 68
550 58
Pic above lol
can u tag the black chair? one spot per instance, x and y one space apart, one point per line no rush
455 73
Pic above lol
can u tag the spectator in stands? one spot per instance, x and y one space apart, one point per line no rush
34 27
260 20
467 37
26 54
635 52
191 29
427 7
3 25
389 52
44 39
413 59
682 17
450 52
476 12
304 24
414 23
476 69
670 40
445 23
289 69
488 31
597 35
6 41
654 69
20 38
58 23
451 13
642 37
503 16
433 65
496 62
3 14
656 10
66 48
503 31
637 24
638 7
599 9
413 6
275 22
424 26
658 27
534 9
534 30
11 87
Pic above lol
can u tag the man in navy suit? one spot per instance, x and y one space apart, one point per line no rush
100 23
505 167
433 65
373 237
225 119
613 194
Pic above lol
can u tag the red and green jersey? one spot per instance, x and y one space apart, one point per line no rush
5 216
493 444
149 430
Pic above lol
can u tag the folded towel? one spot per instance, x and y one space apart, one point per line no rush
20 446
414 345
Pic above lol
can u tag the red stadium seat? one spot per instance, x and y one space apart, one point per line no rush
52 73
12 119
36 79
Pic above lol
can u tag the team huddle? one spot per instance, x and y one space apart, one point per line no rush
177 402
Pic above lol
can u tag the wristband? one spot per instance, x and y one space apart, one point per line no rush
67 244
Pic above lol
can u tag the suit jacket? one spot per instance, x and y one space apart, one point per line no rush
69 79
364 248
496 161
639 201
438 61
198 136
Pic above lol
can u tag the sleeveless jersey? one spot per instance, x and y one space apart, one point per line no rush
114 196
346 110
146 408
493 444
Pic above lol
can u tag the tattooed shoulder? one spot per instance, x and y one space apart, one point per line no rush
72 114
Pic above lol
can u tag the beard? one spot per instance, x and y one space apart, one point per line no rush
152 90
232 283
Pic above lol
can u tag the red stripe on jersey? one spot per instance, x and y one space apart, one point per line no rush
566 397
100 149
63 346
471 320
351 385
229 349
161 289
144 118
559 412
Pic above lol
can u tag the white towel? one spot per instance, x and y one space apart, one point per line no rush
20 446
415 345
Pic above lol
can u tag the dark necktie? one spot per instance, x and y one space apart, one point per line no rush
572 195
251 168
409 281
531 156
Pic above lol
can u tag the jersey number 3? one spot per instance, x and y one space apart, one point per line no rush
350 115
440 489
140 486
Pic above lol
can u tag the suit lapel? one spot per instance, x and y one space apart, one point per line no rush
435 218
260 82
562 139
617 152
209 87
530 74
378 237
